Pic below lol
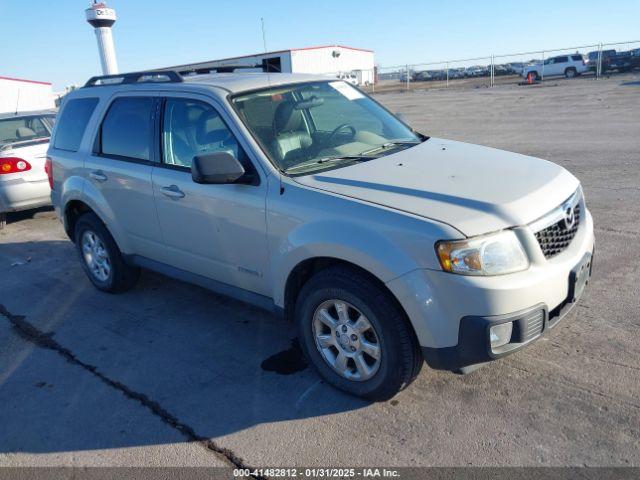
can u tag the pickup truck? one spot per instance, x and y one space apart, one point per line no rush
613 60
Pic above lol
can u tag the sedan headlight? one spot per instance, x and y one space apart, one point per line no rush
494 254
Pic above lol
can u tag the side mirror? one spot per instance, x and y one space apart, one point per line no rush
216 168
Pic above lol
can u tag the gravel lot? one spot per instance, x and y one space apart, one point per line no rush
170 374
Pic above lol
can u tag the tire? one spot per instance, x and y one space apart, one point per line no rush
3 220
535 75
103 263
399 357
570 72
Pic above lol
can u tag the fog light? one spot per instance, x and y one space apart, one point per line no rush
500 335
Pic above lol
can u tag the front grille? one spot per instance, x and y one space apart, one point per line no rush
556 238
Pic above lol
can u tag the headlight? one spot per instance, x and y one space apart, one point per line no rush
494 254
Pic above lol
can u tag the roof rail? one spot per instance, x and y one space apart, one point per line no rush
149 76
221 69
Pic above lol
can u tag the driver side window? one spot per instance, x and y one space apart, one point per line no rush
191 128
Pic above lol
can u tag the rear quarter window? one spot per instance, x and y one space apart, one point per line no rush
127 129
72 123
576 58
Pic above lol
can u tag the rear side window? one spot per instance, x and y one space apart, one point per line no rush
127 128
576 58
562 59
72 123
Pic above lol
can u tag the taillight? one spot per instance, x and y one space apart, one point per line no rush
48 167
13 165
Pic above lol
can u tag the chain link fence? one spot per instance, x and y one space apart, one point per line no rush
597 60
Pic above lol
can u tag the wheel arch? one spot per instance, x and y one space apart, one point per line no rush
73 210
305 269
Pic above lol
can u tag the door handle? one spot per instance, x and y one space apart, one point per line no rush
98 176
172 191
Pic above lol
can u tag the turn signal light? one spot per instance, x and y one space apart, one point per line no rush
13 165
48 167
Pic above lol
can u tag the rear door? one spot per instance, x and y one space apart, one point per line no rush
216 231
119 171
559 65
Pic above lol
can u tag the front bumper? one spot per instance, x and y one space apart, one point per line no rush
474 346
452 314
19 194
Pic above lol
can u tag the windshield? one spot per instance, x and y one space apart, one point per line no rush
317 125
24 129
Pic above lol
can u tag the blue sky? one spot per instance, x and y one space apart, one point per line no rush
50 41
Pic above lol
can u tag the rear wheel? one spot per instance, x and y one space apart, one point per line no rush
101 258
355 334
570 72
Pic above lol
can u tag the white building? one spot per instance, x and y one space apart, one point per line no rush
19 95
330 60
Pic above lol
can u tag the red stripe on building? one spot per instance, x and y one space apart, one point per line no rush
25 81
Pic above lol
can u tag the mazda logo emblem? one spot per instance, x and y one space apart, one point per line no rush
569 218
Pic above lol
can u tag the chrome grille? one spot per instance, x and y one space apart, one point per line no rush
556 238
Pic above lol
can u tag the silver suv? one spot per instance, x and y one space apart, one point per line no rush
304 196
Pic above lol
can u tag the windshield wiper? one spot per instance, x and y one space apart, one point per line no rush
391 144
332 159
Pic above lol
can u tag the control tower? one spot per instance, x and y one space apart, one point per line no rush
102 19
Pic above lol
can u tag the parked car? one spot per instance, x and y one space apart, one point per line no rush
24 139
456 73
500 70
515 68
477 71
592 58
348 77
621 62
381 246
567 65
423 76
403 76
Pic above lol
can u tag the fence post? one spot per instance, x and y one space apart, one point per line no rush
407 72
447 70
599 64
492 82
542 76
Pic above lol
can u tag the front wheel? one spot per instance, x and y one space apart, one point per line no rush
570 72
356 335
101 258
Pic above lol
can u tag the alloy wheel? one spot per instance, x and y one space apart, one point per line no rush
346 340
96 256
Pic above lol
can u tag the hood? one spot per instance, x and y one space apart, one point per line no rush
472 188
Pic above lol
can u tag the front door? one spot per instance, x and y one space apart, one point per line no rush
217 231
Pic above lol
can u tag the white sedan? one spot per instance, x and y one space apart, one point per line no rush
24 139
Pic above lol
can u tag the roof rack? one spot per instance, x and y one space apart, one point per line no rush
149 76
221 69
